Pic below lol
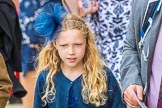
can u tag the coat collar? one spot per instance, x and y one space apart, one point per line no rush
153 7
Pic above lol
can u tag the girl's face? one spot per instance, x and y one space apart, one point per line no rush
71 46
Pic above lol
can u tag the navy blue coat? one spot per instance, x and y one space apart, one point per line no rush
63 89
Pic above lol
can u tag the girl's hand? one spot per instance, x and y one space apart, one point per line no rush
92 8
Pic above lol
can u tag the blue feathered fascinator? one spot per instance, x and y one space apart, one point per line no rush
48 22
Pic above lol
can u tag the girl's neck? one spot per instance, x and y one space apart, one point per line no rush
72 73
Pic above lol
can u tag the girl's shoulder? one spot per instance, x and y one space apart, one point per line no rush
111 80
108 72
42 75
114 91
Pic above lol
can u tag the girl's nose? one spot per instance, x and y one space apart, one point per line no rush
71 50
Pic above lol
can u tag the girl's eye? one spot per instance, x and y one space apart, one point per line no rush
63 45
78 44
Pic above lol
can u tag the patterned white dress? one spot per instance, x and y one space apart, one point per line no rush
110 27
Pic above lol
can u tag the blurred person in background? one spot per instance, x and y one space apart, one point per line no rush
109 23
10 44
31 43
5 83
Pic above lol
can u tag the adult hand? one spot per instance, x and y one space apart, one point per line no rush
131 94
92 7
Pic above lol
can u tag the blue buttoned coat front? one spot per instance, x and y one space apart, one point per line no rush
63 85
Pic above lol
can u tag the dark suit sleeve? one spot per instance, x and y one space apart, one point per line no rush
12 37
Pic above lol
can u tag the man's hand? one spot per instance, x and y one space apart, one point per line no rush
131 94
92 7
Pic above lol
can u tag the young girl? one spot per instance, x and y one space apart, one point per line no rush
72 74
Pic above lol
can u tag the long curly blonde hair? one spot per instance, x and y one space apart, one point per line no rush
94 86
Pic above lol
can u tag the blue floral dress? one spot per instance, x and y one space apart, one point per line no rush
110 27
29 9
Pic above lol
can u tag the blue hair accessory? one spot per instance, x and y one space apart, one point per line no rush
48 22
